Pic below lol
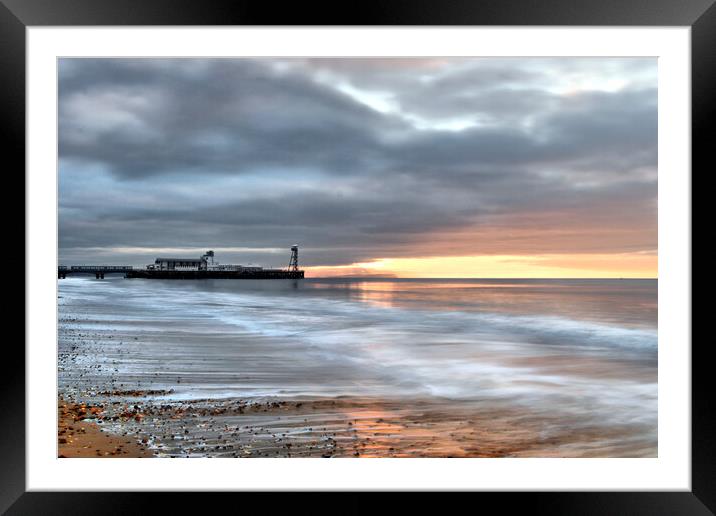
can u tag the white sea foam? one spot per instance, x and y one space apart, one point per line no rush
225 340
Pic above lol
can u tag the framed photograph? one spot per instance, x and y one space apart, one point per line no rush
418 248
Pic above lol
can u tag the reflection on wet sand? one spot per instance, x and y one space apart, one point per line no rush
352 428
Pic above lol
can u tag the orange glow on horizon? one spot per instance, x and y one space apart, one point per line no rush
625 265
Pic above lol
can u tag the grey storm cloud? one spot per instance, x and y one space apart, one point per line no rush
357 158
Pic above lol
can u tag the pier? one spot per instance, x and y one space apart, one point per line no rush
131 272
98 270
203 267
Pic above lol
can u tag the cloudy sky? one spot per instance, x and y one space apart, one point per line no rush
527 167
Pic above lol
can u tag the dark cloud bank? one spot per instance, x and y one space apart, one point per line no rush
356 159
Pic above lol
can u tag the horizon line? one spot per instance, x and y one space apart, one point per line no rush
487 277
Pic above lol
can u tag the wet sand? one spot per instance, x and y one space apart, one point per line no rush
309 428
345 427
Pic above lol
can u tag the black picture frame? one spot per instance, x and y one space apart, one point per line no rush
17 15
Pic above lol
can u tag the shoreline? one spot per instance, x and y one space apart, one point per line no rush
226 377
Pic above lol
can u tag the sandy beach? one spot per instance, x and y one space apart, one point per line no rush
310 428
79 435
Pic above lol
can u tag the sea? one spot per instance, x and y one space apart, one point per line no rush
584 352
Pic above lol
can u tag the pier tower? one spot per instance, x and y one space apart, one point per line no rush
293 263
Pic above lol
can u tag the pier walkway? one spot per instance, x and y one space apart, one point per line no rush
98 270
130 272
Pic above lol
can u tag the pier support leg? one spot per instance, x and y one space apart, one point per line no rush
101 275
96 275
